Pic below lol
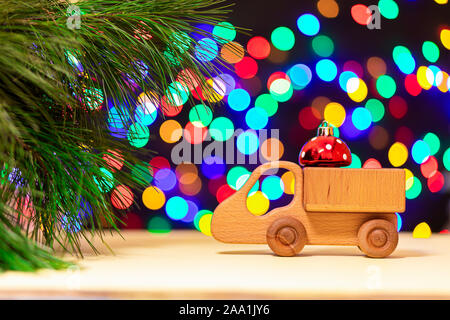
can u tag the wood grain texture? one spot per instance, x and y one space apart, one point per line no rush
232 222
286 236
354 190
378 238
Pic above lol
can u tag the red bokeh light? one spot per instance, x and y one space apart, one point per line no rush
132 221
405 136
361 14
412 86
309 118
258 47
114 160
429 167
372 164
276 75
169 109
246 68
215 184
436 182
355 67
122 197
397 107
159 163
224 192
193 134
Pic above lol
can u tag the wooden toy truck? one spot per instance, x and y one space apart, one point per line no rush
331 206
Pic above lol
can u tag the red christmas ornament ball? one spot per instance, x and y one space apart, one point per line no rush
325 150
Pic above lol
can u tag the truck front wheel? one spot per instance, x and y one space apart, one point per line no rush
286 236
378 238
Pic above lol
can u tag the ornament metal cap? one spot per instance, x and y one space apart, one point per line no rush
325 129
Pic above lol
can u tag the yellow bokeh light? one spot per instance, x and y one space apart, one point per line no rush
441 1
335 114
170 131
360 93
204 224
153 198
422 78
211 94
445 38
443 85
422 230
148 97
258 203
398 154
288 179
409 179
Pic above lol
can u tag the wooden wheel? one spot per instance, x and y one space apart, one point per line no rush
286 236
378 238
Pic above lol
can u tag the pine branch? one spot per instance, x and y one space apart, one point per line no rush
53 135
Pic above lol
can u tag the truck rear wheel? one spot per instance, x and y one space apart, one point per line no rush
286 236
378 238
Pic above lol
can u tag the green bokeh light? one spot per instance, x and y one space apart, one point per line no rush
138 135
386 86
323 46
200 115
376 108
224 32
268 103
141 173
356 162
430 51
433 142
221 129
415 189
177 94
106 181
233 176
181 41
283 38
446 159
388 9
281 90
158 225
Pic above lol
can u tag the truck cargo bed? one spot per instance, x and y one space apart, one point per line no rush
354 190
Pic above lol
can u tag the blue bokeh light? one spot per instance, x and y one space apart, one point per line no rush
344 77
308 24
213 167
177 208
326 70
420 151
361 118
247 142
165 179
239 99
300 75
256 118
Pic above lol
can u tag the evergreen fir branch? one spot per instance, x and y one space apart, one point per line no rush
55 181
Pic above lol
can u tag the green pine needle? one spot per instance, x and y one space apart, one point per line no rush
55 183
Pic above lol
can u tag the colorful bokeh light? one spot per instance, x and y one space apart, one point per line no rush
283 38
